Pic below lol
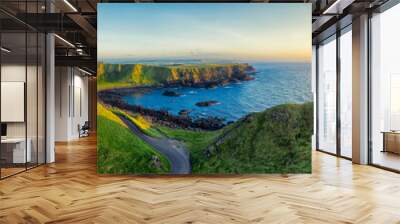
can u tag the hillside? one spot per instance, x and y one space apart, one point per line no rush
121 152
131 75
277 140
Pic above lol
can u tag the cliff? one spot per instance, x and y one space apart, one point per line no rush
195 75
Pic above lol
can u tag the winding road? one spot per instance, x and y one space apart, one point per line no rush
175 151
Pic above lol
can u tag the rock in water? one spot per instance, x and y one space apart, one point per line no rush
206 103
170 93
248 78
184 112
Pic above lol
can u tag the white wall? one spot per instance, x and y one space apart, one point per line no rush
16 73
13 101
80 110
12 73
62 82
71 102
33 126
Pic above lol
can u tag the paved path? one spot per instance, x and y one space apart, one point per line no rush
174 150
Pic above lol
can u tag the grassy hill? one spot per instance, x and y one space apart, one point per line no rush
120 151
112 76
277 140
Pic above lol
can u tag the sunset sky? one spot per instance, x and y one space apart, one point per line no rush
242 31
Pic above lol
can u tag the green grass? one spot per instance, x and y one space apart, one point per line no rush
153 132
194 140
104 85
142 124
277 140
121 152
113 76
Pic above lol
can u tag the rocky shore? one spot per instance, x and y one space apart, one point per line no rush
144 78
114 99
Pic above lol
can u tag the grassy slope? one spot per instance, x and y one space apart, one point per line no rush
195 140
277 140
120 151
144 125
130 75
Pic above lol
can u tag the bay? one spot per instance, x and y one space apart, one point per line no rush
274 84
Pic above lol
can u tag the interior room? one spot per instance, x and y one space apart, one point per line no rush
25 64
54 75
23 96
385 123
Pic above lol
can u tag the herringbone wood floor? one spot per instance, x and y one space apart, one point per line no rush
70 191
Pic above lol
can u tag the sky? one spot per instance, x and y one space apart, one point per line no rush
229 31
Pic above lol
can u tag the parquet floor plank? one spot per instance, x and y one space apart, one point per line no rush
70 191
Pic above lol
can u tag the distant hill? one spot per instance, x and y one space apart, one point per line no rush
277 140
130 75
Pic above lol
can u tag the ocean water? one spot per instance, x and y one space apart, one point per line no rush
274 84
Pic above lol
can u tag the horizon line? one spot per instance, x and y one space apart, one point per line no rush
200 60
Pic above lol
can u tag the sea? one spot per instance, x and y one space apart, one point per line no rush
275 83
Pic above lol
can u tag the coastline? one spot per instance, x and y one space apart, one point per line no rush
233 100
210 123
113 97
122 76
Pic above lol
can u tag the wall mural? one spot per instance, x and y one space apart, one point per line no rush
204 88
